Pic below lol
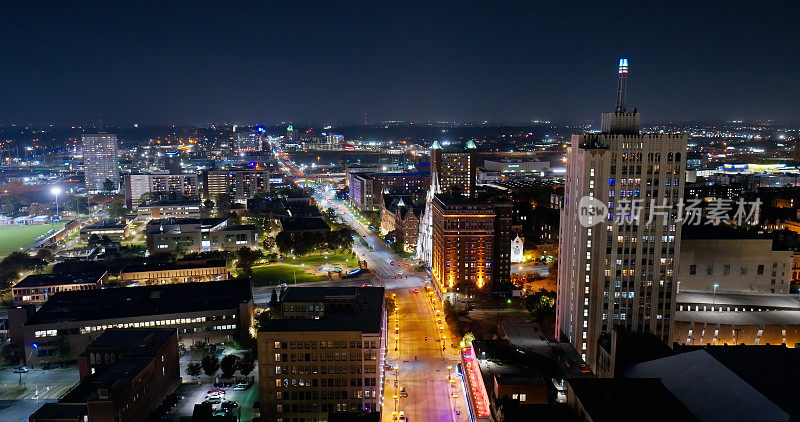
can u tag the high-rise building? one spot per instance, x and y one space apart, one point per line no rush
325 355
162 187
100 161
616 266
291 134
471 244
172 162
248 141
457 170
240 184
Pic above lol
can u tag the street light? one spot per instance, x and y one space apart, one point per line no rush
56 191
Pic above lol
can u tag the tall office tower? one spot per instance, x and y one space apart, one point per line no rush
248 142
172 162
457 170
100 160
615 269
291 134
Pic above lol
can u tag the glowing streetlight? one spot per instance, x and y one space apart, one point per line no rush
56 191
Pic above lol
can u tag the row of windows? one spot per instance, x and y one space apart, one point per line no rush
726 269
324 382
354 344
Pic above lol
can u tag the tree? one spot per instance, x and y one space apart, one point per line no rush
63 348
390 304
224 202
11 206
44 254
246 257
541 305
117 210
194 369
273 300
199 349
246 364
269 243
109 185
228 365
208 206
210 365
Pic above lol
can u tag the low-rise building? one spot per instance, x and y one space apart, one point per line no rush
210 312
401 217
325 355
37 288
171 209
625 400
125 375
729 261
178 272
113 229
198 234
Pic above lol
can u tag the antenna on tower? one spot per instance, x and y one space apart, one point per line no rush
621 85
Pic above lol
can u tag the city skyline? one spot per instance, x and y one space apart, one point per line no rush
165 64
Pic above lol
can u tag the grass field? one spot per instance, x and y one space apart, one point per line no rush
281 273
15 237
315 261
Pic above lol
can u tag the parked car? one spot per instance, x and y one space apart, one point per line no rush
241 386
21 370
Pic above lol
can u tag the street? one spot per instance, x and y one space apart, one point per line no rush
423 352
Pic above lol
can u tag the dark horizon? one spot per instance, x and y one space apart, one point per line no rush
193 63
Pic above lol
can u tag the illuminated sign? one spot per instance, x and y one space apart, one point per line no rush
623 66
477 389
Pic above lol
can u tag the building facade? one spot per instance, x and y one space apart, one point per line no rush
124 376
69 321
161 186
325 355
463 243
734 265
37 288
457 170
618 262
197 235
100 161
240 184
179 272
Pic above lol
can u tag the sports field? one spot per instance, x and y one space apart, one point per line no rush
14 237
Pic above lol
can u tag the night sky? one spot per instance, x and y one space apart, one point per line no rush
65 62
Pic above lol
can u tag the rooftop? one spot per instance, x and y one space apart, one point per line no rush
114 379
134 342
709 389
40 280
764 300
366 318
165 266
126 302
626 399
60 411
740 318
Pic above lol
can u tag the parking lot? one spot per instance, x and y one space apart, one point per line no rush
41 384
193 394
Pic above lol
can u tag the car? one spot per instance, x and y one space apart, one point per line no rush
402 416
241 386
21 370
416 290
212 400
391 263
229 405
216 390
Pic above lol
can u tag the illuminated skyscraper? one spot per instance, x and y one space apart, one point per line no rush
100 161
615 270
